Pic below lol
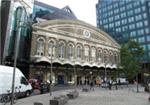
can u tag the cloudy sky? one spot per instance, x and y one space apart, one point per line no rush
84 10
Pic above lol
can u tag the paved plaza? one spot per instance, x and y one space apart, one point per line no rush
100 96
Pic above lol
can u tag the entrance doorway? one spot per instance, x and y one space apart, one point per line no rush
61 79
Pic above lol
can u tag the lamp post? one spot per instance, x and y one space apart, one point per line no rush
51 70
19 25
105 78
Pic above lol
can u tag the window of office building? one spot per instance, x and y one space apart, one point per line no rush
121 3
117 23
124 28
133 33
148 46
138 17
110 19
115 5
143 8
144 15
139 24
145 23
118 29
123 15
146 30
137 3
117 17
141 39
116 11
140 32
122 9
124 21
137 10
132 26
131 19
129 6
130 12
148 38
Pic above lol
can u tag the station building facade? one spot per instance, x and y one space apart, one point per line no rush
71 50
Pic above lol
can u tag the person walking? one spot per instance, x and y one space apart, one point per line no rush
91 85
110 84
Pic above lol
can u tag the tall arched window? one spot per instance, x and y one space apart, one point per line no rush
110 57
79 52
86 53
70 51
115 58
93 54
40 46
105 57
61 50
51 49
99 55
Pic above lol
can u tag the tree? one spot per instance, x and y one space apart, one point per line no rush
131 53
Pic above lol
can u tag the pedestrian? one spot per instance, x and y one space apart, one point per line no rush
110 84
91 85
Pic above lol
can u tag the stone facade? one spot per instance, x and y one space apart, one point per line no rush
72 47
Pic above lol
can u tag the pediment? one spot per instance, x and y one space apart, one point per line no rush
78 29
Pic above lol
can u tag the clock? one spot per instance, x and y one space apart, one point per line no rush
86 33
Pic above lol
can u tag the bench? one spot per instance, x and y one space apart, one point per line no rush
60 100
73 94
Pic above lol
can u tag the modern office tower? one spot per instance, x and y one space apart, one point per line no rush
16 22
126 19
42 11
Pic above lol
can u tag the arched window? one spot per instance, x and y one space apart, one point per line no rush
93 54
70 51
61 50
99 56
40 47
86 53
115 58
79 52
111 57
105 57
51 49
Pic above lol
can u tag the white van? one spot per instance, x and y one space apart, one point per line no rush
22 87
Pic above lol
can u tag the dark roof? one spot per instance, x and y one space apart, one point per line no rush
64 13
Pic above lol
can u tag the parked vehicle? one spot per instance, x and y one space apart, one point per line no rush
122 81
22 87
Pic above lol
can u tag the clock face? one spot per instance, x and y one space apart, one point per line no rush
86 33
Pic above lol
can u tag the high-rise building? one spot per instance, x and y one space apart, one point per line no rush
16 22
126 19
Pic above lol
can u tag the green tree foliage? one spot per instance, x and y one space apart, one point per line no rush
130 56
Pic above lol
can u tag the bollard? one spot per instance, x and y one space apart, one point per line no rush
37 103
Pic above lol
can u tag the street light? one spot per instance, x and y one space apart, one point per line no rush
51 70
19 25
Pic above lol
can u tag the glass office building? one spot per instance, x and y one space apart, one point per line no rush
126 19
42 11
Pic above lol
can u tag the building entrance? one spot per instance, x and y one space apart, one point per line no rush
61 79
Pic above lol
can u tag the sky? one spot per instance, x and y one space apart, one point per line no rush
84 10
